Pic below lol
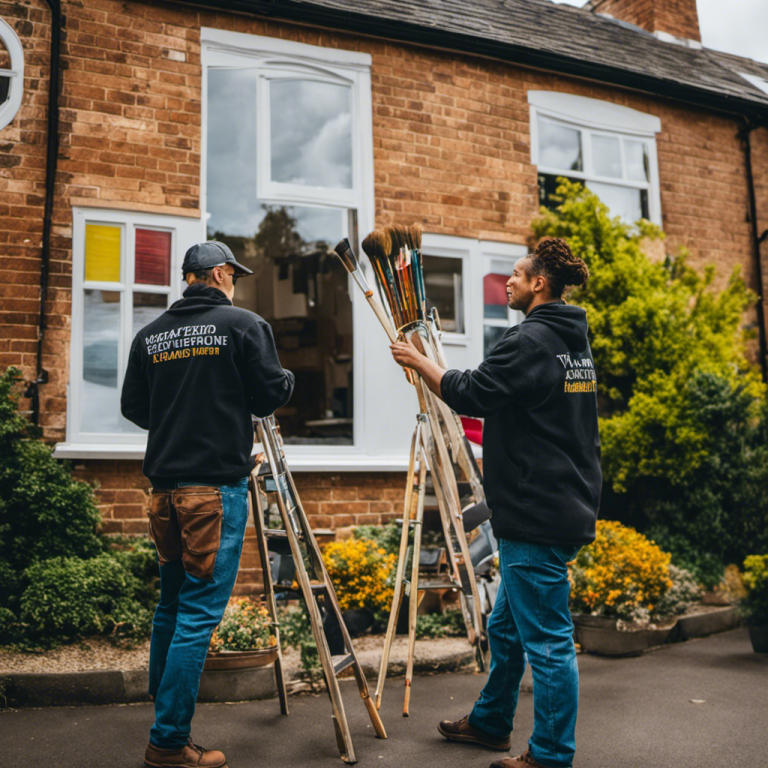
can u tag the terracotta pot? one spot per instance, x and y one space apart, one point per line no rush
758 634
599 635
240 659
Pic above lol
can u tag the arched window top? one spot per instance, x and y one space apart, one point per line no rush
594 113
11 73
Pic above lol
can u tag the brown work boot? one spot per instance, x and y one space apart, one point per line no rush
517 762
461 730
191 756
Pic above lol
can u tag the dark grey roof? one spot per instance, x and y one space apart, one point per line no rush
541 34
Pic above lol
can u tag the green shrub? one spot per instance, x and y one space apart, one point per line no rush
387 537
684 424
59 579
68 597
296 632
446 624
44 512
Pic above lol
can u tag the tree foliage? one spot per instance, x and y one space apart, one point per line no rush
682 408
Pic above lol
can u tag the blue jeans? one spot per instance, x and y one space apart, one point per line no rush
531 618
199 537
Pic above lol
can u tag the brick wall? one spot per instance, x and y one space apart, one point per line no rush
451 149
331 501
675 17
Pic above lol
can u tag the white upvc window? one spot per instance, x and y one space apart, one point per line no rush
610 148
11 73
126 271
287 173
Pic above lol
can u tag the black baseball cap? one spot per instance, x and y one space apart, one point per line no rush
211 254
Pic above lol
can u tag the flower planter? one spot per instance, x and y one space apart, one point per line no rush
608 637
240 659
758 634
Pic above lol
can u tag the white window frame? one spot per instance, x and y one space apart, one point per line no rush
10 107
595 117
184 232
274 57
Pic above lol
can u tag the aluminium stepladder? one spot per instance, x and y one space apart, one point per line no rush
272 480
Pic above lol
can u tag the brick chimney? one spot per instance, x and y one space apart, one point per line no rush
663 18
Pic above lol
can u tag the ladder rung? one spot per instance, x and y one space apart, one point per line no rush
439 584
340 663
319 587
275 533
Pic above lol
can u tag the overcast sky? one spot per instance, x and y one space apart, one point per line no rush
738 26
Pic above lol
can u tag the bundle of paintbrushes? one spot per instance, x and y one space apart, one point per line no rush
395 254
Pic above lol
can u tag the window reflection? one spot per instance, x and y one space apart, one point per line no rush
636 154
606 156
101 331
559 146
443 285
311 133
299 286
630 204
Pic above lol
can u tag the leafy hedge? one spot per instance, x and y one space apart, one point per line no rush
59 579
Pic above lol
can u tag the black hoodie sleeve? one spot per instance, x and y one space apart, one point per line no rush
134 399
267 384
500 379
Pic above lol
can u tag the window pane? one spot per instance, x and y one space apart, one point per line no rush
146 308
5 88
559 147
231 155
311 133
629 204
300 288
102 253
491 336
636 155
606 156
153 257
442 283
495 295
548 188
101 329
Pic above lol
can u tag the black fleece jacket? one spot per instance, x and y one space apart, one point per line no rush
195 375
541 448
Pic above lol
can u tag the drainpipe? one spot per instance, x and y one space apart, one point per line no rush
757 240
52 152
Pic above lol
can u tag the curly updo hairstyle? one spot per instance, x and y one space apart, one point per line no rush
554 260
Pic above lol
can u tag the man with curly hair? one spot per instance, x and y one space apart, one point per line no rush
541 454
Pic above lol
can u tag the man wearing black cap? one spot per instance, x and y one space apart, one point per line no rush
195 375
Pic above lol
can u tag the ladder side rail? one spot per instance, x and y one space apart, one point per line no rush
399 585
414 599
269 589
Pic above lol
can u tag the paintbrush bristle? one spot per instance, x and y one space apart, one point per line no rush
414 235
368 245
381 243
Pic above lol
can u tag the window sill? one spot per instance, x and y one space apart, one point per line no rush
321 460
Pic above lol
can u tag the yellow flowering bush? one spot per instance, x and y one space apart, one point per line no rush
246 626
360 571
755 603
622 574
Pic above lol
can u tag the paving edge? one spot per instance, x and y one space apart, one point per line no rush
130 686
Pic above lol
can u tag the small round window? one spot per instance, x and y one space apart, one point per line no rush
11 74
